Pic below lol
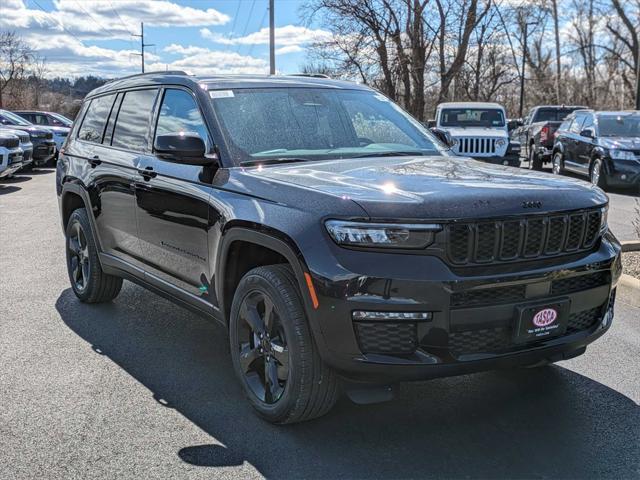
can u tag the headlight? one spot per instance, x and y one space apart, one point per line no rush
382 235
500 142
454 141
621 154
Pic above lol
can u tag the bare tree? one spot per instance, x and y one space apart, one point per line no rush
15 57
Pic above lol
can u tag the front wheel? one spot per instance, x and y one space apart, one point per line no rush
597 174
273 352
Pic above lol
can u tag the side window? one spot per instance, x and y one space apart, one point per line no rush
180 113
576 125
588 122
95 119
40 120
132 123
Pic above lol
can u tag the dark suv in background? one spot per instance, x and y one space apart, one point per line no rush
44 146
605 146
338 241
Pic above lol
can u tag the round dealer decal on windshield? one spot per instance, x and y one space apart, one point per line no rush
545 317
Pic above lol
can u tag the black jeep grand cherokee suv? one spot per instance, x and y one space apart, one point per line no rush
335 237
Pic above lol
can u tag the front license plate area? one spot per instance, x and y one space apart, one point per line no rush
541 320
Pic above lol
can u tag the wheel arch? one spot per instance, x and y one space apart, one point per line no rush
72 197
267 246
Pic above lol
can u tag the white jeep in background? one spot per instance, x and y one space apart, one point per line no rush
477 130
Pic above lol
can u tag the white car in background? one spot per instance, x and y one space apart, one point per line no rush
10 154
477 130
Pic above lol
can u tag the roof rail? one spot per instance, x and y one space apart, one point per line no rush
312 75
158 72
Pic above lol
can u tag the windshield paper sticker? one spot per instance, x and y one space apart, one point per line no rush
221 94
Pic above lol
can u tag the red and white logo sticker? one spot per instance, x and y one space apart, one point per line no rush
545 317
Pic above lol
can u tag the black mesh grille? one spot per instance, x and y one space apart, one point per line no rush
510 240
584 320
593 227
486 236
386 338
459 242
555 236
488 296
498 339
9 142
475 341
576 224
528 238
535 235
577 284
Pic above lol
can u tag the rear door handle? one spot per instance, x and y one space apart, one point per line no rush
95 161
147 173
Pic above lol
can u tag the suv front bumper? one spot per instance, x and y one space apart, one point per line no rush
472 314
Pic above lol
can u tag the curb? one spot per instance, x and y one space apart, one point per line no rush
630 282
630 246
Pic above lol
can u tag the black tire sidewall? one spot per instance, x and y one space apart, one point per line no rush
80 216
291 319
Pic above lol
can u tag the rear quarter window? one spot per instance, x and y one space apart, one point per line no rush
95 119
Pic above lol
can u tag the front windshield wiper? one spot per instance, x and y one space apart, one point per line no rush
417 153
267 161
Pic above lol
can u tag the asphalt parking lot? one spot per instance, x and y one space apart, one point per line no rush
140 388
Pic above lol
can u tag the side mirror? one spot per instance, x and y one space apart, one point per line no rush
443 136
430 123
587 132
183 147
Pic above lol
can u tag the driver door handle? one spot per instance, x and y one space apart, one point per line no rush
147 173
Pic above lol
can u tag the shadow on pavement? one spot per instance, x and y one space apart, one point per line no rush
40 171
16 178
548 422
5 189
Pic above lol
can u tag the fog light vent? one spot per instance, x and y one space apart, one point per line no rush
392 316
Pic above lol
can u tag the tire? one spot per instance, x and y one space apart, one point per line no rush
535 162
557 168
88 281
304 387
597 174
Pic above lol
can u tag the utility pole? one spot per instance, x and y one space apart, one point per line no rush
272 39
142 45
524 63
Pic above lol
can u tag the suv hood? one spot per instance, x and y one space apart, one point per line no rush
625 143
31 130
477 132
59 129
438 187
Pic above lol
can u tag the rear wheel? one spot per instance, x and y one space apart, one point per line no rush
273 353
597 174
535 162
557 163
88 281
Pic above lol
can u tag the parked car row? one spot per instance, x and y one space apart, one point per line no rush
39 137
603 146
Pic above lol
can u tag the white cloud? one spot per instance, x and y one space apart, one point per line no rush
287 36
202 61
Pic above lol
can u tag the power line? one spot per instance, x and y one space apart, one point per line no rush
246 25
259 28
59 22
233 26
122 22
92 18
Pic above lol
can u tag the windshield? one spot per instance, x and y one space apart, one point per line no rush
471 117
316 124
14 119
553 114
619 125
62 119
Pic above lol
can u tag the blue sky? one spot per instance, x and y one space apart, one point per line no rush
79 37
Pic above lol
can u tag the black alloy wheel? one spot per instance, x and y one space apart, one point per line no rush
78 257
264 355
